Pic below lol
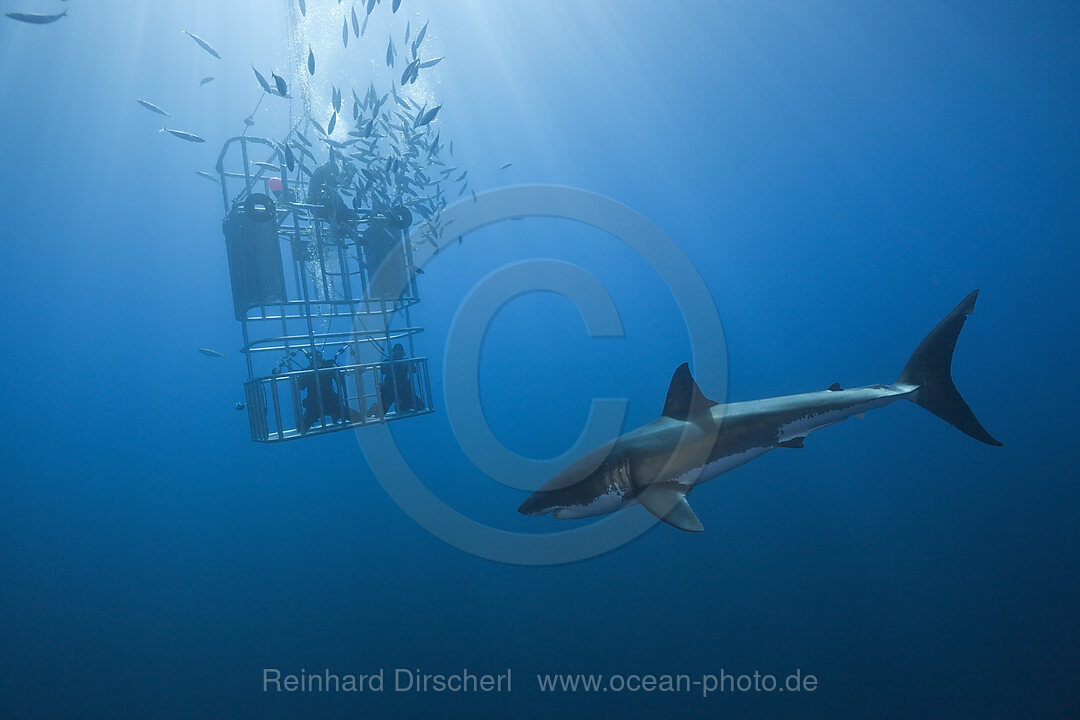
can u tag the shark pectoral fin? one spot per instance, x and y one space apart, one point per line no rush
795 442
668 502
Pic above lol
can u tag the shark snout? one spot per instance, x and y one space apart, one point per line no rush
535 504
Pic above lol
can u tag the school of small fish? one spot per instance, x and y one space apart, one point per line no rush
391 155
386 146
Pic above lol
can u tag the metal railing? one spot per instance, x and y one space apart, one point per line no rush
297 404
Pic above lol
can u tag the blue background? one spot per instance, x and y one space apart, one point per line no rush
841 174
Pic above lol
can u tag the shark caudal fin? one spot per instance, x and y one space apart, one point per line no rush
930 369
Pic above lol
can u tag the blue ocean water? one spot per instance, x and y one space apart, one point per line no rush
839 174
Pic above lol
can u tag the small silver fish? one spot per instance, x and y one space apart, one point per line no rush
505 165
419 38
306 152
262 81
205 80
311 60
190 137
211 353
282 87
35 18
267 166
409 69
152 107
203 44
303 8
208 176
427 117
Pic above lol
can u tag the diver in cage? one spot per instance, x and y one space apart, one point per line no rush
323 388
396 387
323 191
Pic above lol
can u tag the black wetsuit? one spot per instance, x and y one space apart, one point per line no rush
322 190
396 388
327 389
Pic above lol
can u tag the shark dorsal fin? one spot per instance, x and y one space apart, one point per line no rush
684 399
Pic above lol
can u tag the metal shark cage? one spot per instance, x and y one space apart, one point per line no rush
326 316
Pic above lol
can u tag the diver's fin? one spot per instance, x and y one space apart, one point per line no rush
684 398
795 442
835 387
668 502
930 369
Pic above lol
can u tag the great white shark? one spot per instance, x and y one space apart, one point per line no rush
696 439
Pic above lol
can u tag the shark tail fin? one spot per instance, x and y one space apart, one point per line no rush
930 369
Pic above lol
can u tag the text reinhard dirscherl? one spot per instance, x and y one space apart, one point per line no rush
397 680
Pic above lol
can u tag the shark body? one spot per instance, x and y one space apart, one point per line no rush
695 439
